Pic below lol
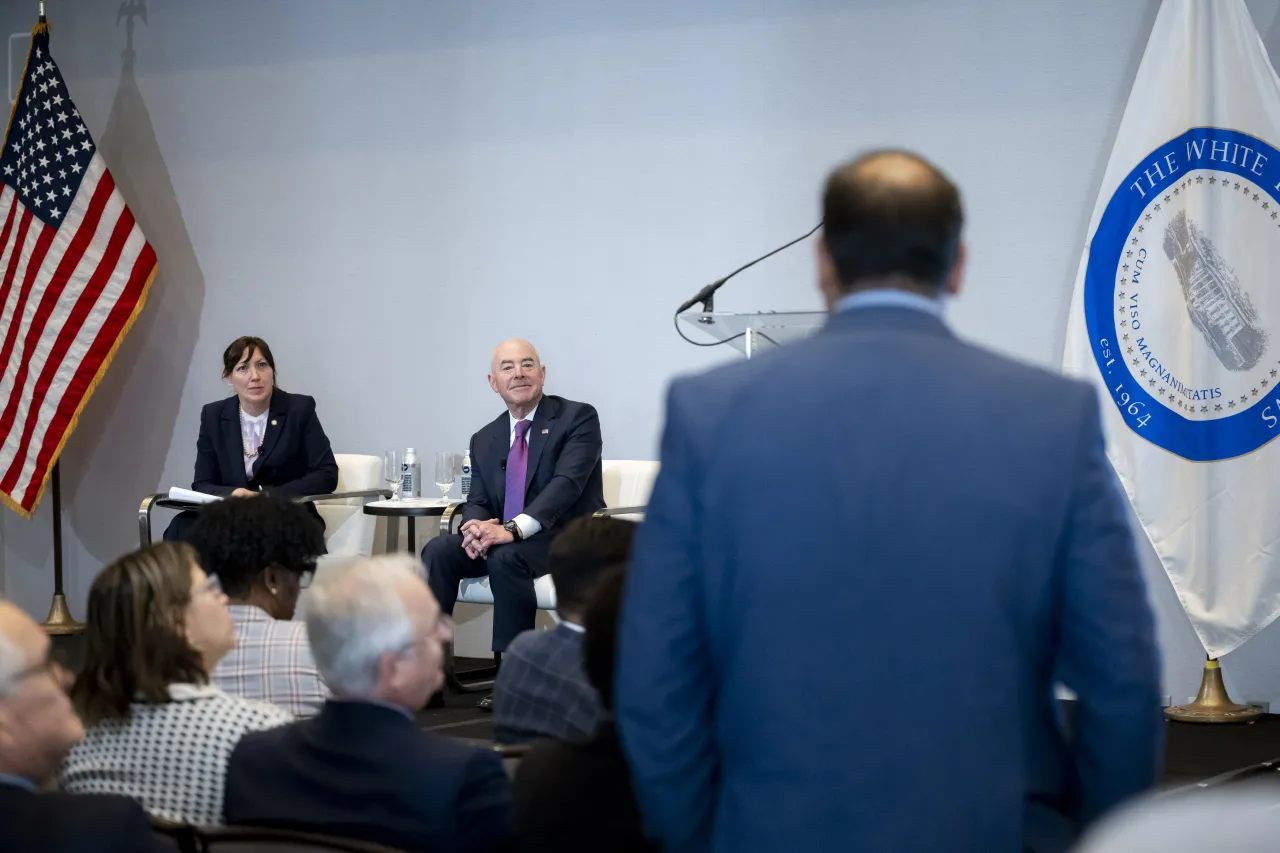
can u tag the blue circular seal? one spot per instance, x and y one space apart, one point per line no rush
1176 295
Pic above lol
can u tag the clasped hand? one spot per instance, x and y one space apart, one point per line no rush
479 536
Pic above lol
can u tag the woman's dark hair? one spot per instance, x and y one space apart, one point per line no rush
135 646
238 538
241 347
600 637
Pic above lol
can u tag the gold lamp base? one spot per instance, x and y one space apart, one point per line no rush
1212 704
60 622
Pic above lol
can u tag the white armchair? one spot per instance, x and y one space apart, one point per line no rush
348 532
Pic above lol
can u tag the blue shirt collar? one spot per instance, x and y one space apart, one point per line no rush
17 782
889 298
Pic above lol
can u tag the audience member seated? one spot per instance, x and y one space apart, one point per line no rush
362 768
570 797
541 690
156 729
264 552
37 729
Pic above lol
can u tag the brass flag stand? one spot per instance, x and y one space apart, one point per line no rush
1212 704
59 622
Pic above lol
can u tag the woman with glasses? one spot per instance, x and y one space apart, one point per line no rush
264 552
156 730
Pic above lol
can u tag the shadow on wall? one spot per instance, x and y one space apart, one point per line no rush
118 453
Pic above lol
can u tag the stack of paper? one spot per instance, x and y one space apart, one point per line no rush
179 494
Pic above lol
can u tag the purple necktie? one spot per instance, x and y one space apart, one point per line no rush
517 465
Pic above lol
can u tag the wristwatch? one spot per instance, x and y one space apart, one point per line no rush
514 529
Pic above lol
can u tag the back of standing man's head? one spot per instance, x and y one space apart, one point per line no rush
890 219
583 551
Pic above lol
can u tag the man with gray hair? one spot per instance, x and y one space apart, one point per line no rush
362 768
37 729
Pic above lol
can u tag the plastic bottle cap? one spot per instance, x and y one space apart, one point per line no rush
408 450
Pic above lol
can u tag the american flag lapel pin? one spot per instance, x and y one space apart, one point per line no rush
545 431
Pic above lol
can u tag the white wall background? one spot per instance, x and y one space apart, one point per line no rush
385 190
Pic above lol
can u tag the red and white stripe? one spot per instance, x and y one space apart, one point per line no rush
67 296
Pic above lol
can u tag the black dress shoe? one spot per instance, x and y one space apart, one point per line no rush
486 704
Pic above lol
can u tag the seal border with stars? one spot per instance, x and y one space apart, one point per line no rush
1224 436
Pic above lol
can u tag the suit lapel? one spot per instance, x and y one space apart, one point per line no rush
539 434
233 442
274 426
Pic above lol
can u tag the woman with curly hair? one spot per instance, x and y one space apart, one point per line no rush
155 729
264 552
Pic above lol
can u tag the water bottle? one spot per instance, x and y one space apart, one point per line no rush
466 474
411 475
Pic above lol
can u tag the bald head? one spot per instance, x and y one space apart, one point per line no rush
516 374
890 218
22 644
37 725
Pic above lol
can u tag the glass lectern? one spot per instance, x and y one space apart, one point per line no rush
757 332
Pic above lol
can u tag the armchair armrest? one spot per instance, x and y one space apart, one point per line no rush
451 512
342 496
618 510
149 503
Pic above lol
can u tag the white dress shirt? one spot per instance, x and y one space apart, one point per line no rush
252 432
528 524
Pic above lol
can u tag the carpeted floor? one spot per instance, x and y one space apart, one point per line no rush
1192 752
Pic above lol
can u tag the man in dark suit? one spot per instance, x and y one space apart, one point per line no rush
534 468
570 797
877 672
37 730
362 768
541 690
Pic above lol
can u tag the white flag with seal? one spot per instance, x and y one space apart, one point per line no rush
1176 313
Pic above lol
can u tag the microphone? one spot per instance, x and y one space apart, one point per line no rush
504 463
708 294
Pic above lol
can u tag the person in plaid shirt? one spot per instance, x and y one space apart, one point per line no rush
263 550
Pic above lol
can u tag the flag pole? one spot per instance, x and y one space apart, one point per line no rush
1212 704
42 20
60 621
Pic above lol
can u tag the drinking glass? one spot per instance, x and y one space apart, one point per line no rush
391 472
446 470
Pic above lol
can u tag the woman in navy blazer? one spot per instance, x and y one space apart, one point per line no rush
262 439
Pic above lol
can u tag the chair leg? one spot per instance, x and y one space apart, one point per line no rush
483 683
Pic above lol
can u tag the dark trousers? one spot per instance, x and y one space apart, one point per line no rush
511 568
179 529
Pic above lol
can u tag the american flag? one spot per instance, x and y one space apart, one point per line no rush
74 273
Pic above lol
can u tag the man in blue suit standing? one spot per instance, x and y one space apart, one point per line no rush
875 671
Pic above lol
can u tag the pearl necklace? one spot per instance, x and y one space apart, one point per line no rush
248 451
